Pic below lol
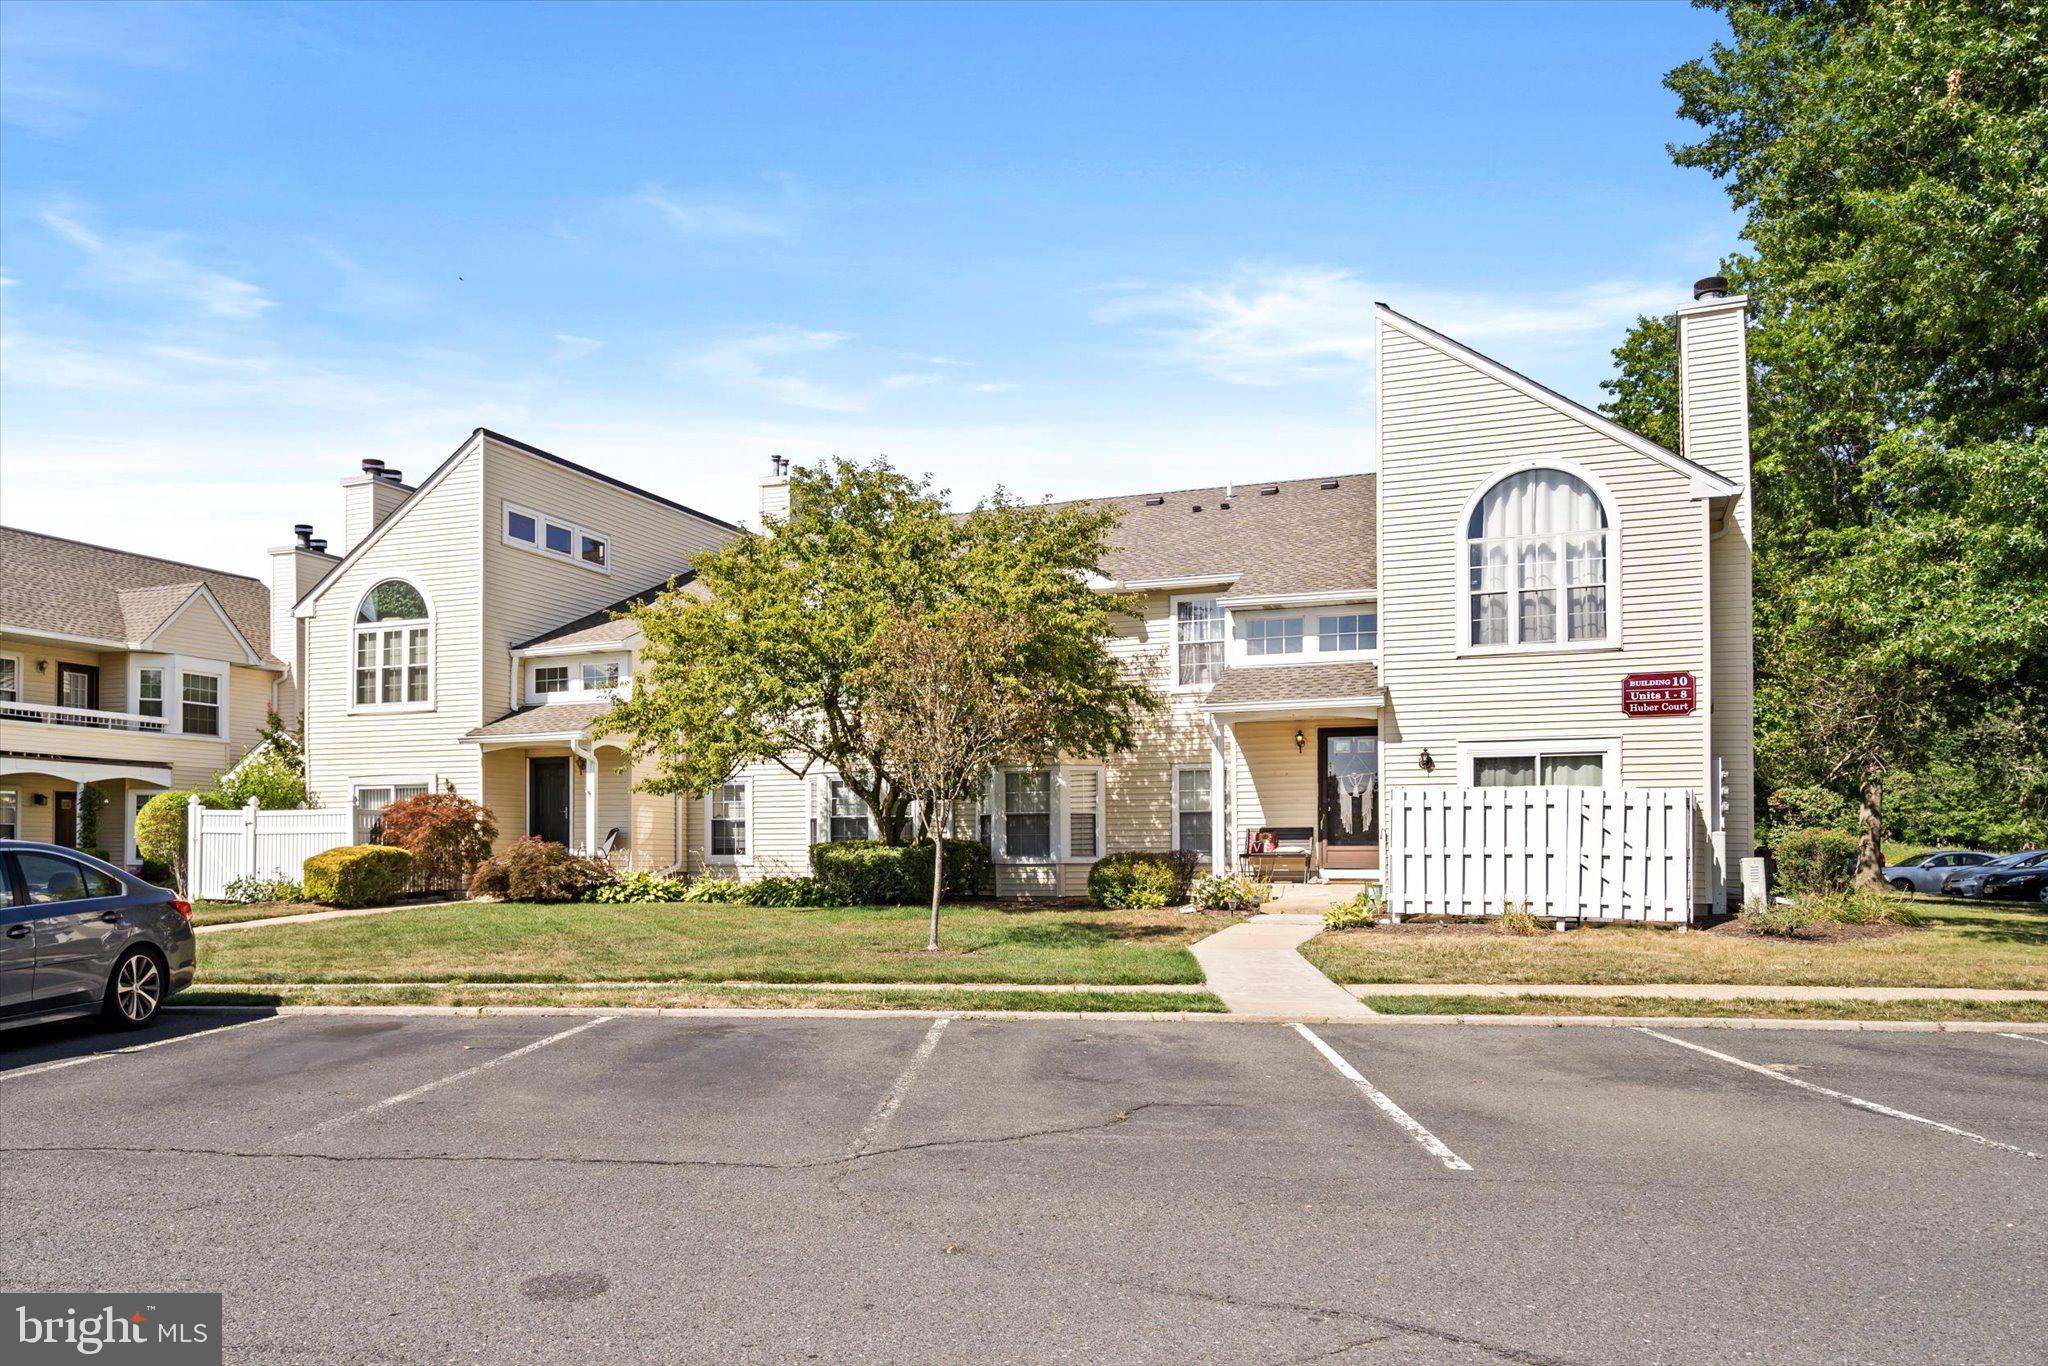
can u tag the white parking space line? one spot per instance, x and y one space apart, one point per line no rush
1842 1096
1386 1105
2025 1038
418 1091
137 1048
879 1120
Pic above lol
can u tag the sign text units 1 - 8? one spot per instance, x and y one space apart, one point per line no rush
1668 694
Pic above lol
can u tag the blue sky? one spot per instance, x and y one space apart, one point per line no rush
1070 250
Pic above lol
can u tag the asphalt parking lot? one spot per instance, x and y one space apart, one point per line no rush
568 1188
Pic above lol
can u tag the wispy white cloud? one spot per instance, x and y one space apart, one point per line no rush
569 346
752 364
154 264
712 217
1266 324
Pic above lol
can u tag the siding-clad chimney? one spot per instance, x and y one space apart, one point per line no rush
775 491
1713 388
294 569
367 499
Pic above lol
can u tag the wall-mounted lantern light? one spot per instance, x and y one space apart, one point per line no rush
1300 741
1426 763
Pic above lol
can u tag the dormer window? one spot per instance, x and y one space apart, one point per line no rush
1537 563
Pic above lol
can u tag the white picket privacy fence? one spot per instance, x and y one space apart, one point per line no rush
251 842
1566 853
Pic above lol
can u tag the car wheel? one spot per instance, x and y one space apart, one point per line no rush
2044 893
135 991
1902 884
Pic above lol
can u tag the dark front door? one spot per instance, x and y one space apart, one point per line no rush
67 819
547 798
78 685
1348 779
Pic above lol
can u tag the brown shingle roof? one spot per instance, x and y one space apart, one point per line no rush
606 623
48 583
1302 537
559 718
1283 683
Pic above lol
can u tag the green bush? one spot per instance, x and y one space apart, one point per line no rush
358 875
1229 892
640 885
1856 907
538 870
1782 919
1142 881
870 873
1815 860
791 891
247 891
723 891
277 782
1359 913
160 830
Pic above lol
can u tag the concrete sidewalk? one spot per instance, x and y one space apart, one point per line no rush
1693 991
1254 969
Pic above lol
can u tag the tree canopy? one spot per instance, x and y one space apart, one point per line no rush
1889 156
762 656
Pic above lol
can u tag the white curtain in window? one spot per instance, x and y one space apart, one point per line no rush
1537 503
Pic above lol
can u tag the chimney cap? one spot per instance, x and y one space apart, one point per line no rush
373 467
780 465
1712 287
318 543
393 476
303 531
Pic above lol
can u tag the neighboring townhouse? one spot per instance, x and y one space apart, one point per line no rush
121 676
465 639
1525 594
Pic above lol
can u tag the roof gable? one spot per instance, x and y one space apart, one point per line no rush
58 586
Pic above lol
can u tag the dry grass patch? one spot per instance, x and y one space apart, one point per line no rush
1750 1008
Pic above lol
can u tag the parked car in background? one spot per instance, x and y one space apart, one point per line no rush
1980 881
78 936
2026 880
1926 872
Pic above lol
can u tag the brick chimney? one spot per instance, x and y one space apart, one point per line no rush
367 499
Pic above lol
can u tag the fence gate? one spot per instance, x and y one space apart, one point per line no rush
251 842
1565 853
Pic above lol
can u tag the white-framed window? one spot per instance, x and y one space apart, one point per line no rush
1272 636
1537 563
1194 809
10 678
1544 763
551 678
200 698
1027 814
556 537
730 807
1347 632
846 815
370 799
1197 641
597 677
10 814
394 648
149 692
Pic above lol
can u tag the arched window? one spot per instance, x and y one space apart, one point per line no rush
1536 549
394 647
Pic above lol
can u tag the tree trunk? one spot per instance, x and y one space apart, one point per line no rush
938 876
1870 829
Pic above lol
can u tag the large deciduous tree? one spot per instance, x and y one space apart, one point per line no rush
1890 156
766 655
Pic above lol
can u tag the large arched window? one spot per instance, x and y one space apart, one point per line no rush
394 647
1536 551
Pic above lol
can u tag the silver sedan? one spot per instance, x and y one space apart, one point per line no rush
1926 872
79 937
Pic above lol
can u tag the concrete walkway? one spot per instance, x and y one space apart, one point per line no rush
1695 991
1255 970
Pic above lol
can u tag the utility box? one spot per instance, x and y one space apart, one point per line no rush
1756 884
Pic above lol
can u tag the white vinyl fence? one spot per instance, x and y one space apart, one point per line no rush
1566 853
250 842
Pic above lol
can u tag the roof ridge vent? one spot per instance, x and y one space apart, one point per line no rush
1269 490
1156 500
1329 483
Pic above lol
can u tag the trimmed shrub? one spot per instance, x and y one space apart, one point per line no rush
160 830
447 835
790 891
1141 881
1815 860
640 885
1228 892
542 870
358 875
1361 912
871 873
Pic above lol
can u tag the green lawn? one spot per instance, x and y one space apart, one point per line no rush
1964 944
2001 1012
513 942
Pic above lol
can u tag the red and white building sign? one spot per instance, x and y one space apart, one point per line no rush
1671 694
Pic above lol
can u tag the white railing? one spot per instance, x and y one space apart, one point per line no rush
45 714
1563 853
250 842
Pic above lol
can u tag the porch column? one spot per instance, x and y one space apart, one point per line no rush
78 819
1219 807
590 802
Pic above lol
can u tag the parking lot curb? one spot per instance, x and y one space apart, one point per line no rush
1190 1017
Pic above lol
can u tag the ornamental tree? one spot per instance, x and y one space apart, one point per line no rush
765 656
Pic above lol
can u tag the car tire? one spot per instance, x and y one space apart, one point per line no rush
135 990
2044 893
1902 884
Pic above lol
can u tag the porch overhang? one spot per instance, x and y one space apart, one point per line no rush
1290 709
77 770
562 723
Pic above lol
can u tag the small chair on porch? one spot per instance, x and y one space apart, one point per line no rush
1276 852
